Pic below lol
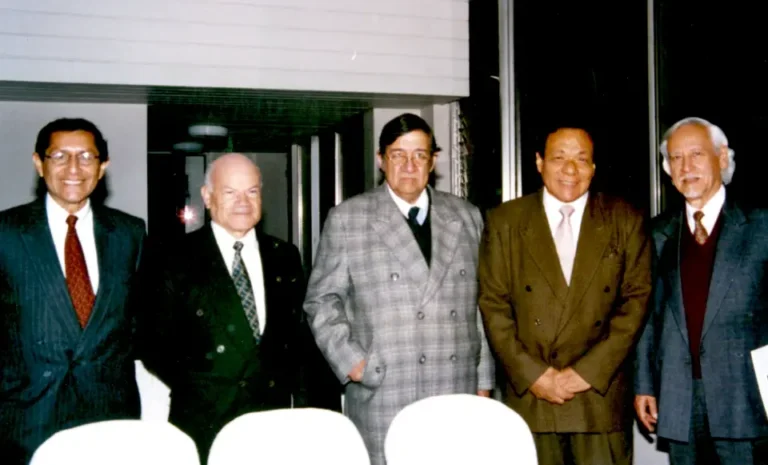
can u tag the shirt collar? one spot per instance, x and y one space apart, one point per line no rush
57 214
227 242
552 204
711 210
422 202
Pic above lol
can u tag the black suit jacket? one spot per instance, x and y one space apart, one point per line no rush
205 352
53 374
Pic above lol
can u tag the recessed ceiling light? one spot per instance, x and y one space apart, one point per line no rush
188 146
209 130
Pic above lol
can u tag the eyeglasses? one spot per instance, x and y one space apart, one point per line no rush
417 158
61 158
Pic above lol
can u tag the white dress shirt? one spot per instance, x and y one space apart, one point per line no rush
57 222
711 211
554 217
251 260
422 202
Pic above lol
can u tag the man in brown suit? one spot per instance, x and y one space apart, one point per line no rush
564 282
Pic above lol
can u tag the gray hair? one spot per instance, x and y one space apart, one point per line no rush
718 140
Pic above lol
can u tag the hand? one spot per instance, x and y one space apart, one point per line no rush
356 374
647 413
483 393
570 381
547 388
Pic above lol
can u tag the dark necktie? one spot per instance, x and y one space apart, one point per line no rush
699 232
78 282
245 291
413 213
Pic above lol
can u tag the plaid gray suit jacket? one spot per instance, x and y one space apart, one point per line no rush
372 296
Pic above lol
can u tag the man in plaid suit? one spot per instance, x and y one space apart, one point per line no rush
392 299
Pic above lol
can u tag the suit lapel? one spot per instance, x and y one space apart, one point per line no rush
537 237
221 294
41 251
446 232
670 253
269 267
103 229
728 255
390 226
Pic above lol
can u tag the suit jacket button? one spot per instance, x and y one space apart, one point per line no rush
453 358
199 312
420 315
47 374
231 328
423 359
607 289
220 349
378 370
394 276
271 383
462 272
453 313
537 322
242 384
279 279
528 288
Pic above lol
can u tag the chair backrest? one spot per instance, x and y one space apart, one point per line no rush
459 429
118 442
289 437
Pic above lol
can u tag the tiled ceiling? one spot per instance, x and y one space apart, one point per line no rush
255 118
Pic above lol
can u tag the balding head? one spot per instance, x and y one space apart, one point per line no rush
232 193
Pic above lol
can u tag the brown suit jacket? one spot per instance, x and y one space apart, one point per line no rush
535 320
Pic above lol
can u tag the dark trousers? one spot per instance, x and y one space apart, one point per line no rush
702 449
583 448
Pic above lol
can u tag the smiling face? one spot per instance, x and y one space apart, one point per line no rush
567 166
68 174
233 197
695 164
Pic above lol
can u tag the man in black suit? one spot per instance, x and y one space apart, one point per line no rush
231 337
67 268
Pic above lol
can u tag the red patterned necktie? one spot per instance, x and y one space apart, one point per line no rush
78 282
699 232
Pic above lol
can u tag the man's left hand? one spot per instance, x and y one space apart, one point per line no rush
569 380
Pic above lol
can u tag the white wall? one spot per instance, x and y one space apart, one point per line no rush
124 126
383 46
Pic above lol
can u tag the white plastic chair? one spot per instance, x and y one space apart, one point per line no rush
289 437
118 442
460 429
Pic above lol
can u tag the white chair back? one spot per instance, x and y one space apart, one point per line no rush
289 437
459 429
118 442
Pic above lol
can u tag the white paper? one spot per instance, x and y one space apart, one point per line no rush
760 362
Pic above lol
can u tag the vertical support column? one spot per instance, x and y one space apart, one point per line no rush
314 174
653 115
297 194
511 182
338 168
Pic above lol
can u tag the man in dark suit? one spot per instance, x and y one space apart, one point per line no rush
564 282
695 384
230 336
67 267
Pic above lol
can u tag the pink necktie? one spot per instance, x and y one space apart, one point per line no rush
566 246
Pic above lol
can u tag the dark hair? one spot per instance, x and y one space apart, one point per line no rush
402 125
568 122
71 125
